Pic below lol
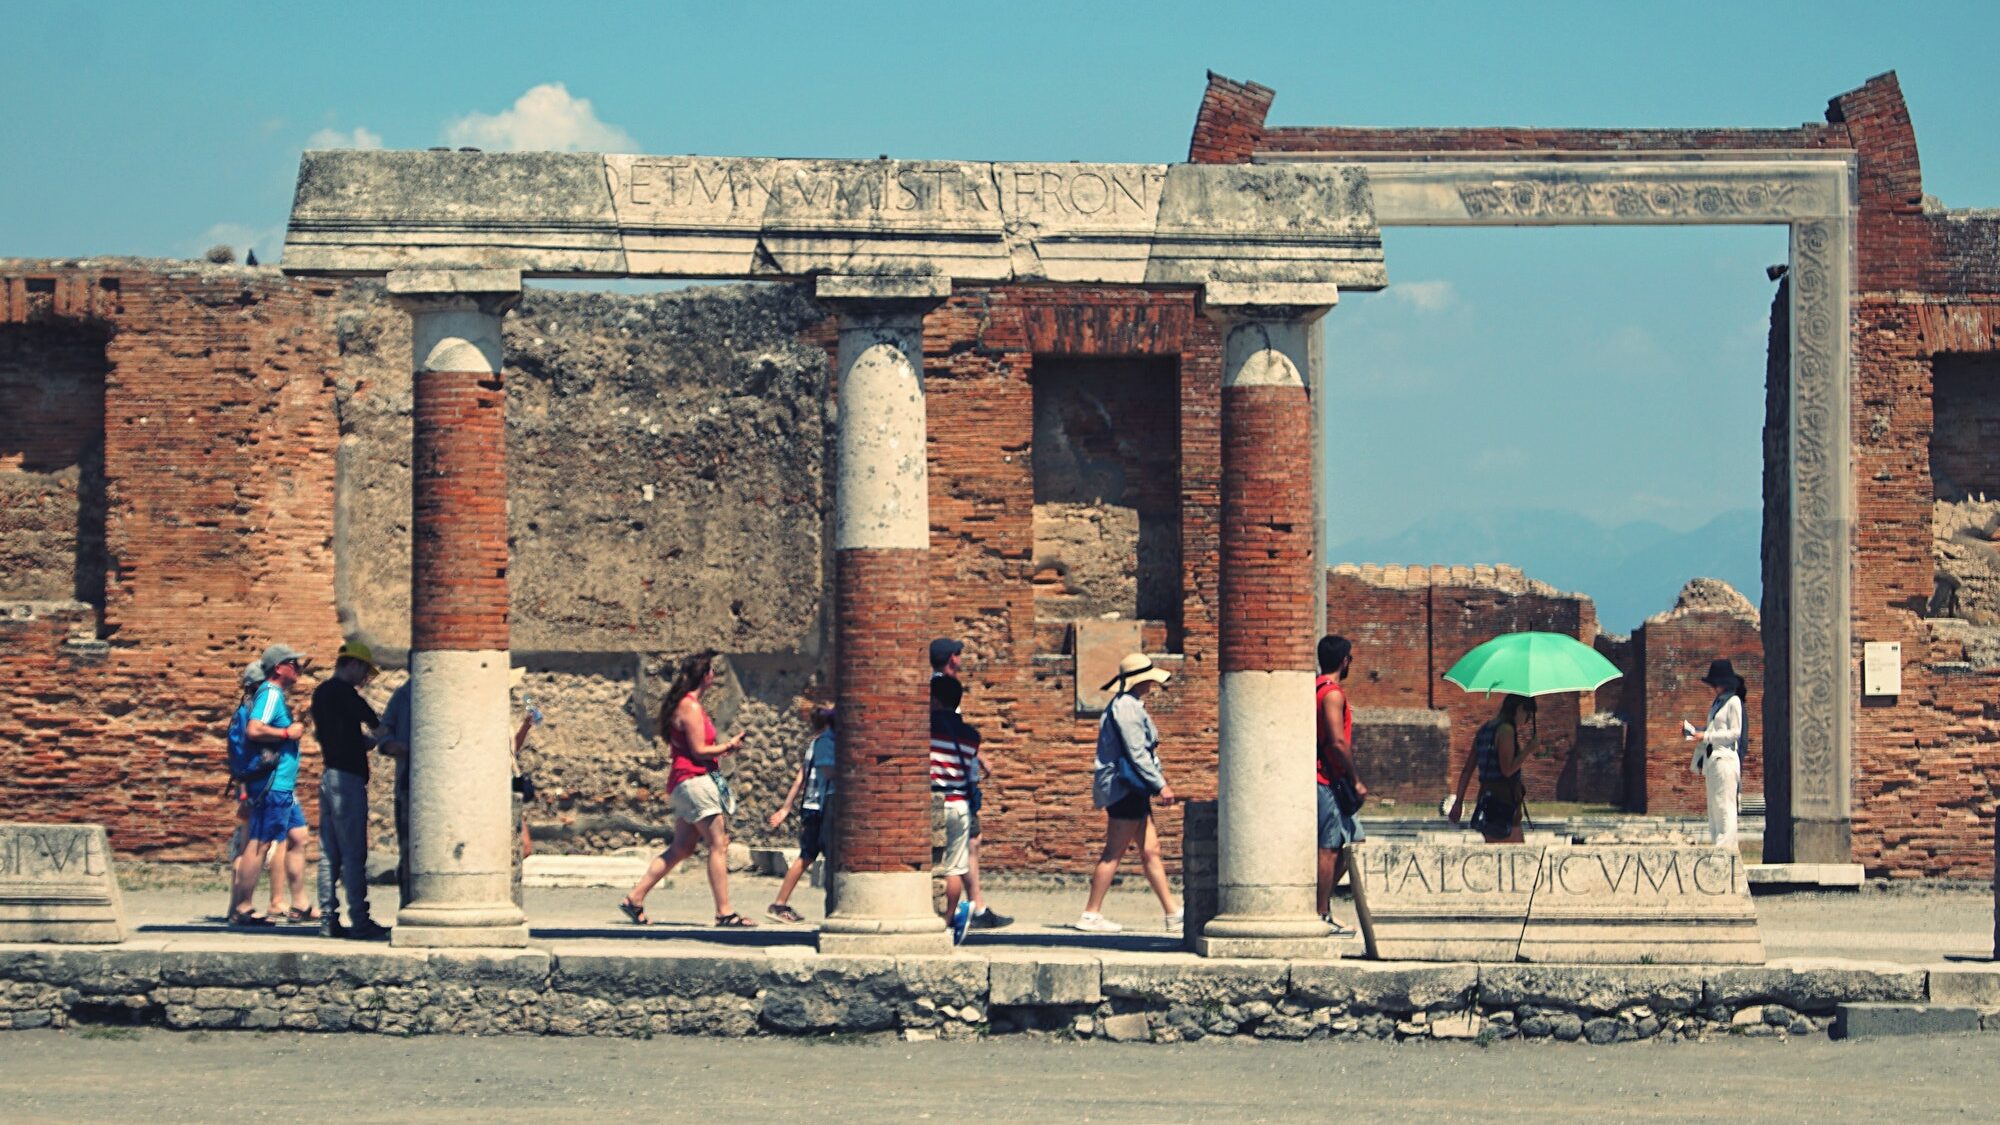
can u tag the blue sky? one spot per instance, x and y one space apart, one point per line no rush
1612 373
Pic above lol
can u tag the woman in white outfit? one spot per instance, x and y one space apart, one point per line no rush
1718 757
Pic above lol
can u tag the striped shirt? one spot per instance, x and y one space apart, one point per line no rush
954 748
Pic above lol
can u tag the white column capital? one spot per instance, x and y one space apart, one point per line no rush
882 485
455 316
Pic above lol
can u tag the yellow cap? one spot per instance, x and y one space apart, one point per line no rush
355 650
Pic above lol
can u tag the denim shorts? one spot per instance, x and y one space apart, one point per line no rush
274 814
1336 829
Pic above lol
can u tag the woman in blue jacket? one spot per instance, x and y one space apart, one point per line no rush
1128 777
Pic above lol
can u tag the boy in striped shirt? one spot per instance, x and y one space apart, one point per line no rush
954 745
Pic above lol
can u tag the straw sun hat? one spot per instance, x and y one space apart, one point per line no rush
1136 669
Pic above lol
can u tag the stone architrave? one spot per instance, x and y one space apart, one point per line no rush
585 214
57 885
1444 902
1618 904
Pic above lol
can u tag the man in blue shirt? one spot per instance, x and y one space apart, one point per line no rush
274 808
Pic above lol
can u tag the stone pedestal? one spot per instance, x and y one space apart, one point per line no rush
1266 800
57 885
461 800
1610 904
879 901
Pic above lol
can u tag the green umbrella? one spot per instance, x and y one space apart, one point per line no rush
1532 664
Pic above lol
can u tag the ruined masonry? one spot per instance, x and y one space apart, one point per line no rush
206 449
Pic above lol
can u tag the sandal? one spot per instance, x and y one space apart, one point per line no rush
303 915
784 913
248 920
734 921
635 912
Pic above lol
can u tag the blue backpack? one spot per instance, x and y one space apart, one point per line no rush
247 761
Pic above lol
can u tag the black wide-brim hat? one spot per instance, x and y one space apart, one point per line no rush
1721 672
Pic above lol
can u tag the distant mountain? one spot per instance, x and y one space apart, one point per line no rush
1631 571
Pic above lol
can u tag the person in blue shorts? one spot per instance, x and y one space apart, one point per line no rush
274 807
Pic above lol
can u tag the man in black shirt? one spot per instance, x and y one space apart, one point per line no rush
339 714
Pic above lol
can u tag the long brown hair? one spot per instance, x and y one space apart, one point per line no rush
1511 710
687 679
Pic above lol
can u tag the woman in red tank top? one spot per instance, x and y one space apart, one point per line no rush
699 798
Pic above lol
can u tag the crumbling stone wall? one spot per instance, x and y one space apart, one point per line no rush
52 462
666 496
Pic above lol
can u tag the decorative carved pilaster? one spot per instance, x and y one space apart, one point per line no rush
1822 530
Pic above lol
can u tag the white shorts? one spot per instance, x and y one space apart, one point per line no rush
957 839
696 799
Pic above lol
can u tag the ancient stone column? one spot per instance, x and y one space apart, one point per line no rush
461 850
879 900
1266 800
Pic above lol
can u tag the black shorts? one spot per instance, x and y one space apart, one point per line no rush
812 838
1134 806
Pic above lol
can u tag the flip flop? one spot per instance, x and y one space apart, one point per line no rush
784 913
635 912
734 922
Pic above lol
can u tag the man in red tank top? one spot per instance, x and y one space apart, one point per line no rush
1340 787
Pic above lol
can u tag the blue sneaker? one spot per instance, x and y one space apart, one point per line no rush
961 920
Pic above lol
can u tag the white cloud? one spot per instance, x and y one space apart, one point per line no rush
1424 296
545 119
359 137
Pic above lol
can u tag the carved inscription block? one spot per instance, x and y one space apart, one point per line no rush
1610 904
57 885
1444 902
554 214
1617 904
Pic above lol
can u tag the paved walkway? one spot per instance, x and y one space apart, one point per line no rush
1913 926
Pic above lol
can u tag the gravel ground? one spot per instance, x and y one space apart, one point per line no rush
165 1076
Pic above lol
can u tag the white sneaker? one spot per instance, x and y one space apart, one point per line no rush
1174 921
1095 924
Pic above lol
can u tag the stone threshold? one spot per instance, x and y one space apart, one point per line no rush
641 989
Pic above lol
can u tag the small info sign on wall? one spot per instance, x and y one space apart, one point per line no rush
1882 668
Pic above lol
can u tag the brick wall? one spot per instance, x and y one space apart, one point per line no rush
1927 762
218 449
1925 766
1410 624
1230 122
1672 652
981 353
